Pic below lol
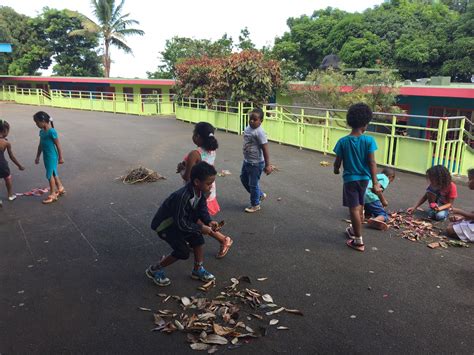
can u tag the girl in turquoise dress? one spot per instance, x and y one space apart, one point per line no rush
52 154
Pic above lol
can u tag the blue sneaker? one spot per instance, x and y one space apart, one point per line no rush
202 274
158 277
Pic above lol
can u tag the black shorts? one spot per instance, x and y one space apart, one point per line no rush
353 193
180 242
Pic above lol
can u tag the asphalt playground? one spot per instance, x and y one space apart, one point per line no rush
72 273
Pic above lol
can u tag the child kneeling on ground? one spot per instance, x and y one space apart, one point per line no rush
463 226
181 221
375 203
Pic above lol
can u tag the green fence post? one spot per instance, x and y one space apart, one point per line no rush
438 143
301 129
326 133
460 146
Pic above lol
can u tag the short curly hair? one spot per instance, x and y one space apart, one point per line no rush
202 171
440 174
359 115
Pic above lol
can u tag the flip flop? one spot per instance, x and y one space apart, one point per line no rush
225 248
50 199
350 232
376 224
351 244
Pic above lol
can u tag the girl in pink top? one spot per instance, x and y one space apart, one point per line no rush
440 194
203 137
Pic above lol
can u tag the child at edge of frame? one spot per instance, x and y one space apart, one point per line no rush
177 222
356 152
5 146
256 159
462 227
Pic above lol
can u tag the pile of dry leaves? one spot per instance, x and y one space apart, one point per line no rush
424 230
230 319
140 174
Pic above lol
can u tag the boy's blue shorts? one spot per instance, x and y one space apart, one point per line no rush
375 209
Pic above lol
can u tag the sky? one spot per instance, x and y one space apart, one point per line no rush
210 19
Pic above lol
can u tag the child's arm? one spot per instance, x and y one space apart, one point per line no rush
266 155
446 206
337 165
465 214
60 151
373 172
414 208
382 198
38 154
193 158
12 157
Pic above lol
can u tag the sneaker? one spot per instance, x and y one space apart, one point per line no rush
263 196
157 276
12 198
253 209
202 274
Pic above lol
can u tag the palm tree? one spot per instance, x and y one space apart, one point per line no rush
111 26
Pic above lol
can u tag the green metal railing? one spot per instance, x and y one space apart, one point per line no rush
448 140
152 104
319 129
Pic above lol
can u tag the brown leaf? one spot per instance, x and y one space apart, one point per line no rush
144 309
267 298
274 321
213 349
178 324
185 301
220 330
433 245
215 339
262 278
206 316
200 346
282 328
158 320
294 311
256 316
281 309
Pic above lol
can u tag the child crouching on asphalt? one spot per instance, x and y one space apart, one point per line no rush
181 221
463 226
440 194
375 203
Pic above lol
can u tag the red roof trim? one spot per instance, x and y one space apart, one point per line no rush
165 82
465 93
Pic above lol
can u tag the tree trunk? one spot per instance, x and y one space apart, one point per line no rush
106 59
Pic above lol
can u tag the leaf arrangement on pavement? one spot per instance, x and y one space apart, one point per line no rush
235 315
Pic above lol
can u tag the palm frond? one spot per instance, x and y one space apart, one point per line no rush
87 24
117 13
120 44
130 32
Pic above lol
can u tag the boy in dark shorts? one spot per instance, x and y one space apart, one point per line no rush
181 221
356 152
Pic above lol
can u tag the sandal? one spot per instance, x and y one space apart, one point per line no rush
61 192
376 224
50 199
351 244
350 232
225 248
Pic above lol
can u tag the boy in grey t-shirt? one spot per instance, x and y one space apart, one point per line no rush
256 159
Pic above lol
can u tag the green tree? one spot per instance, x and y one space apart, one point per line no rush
30 47
245 42
112 26
378 89
179 48
73 55
244 76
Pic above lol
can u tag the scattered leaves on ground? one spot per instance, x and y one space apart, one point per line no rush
233 316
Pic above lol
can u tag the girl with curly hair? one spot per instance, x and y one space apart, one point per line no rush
440 194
